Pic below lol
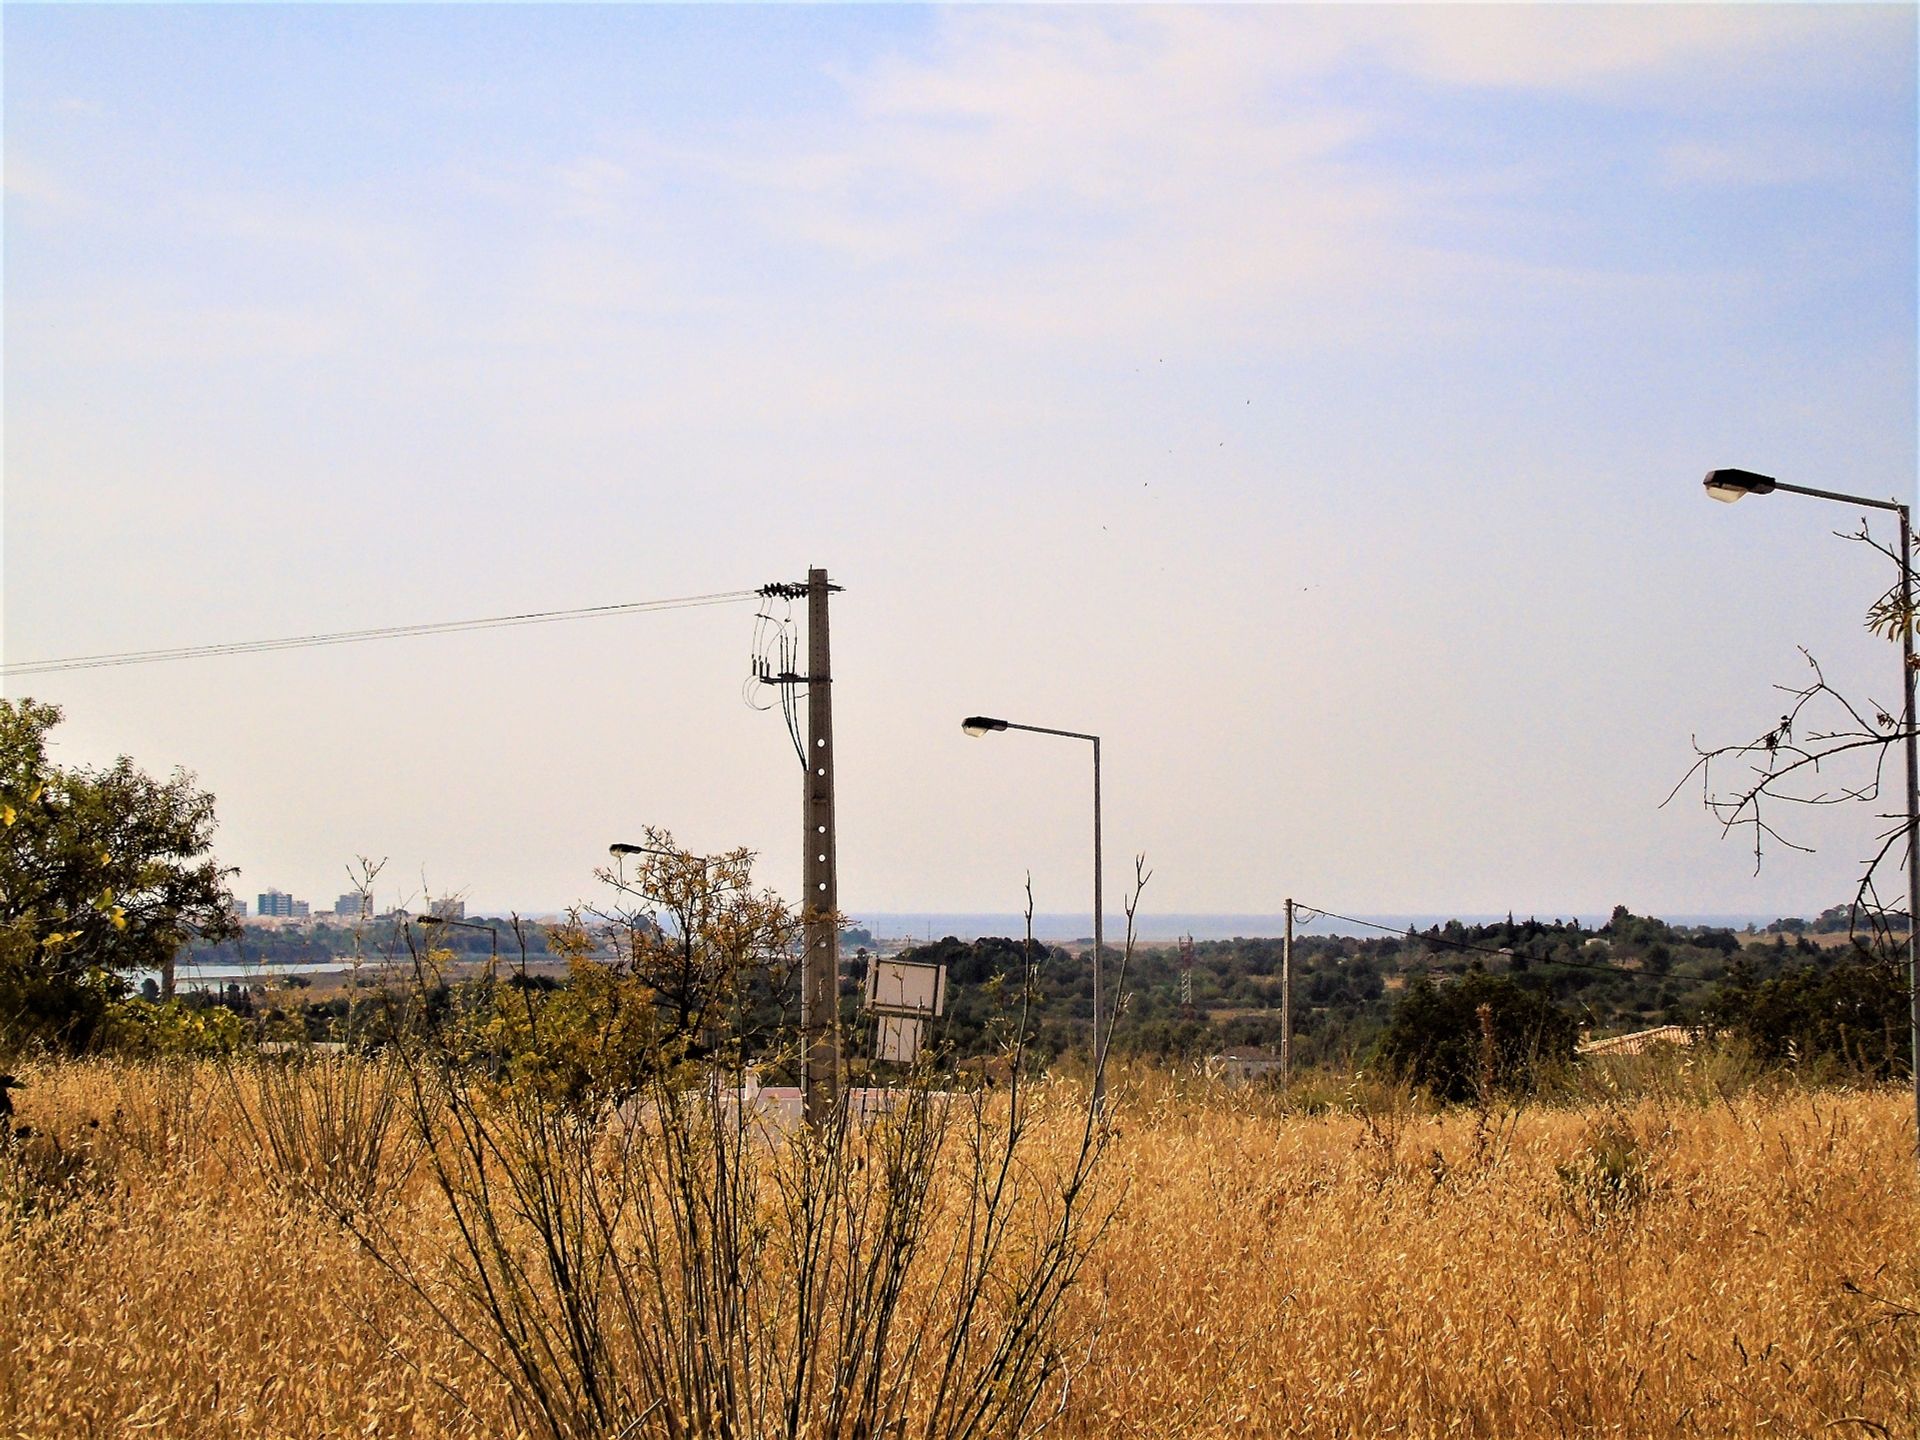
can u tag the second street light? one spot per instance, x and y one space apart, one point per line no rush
1731 485
691 906
986 725
493 958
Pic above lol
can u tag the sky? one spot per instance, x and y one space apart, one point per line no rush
1311 401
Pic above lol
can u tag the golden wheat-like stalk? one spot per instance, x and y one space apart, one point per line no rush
1648 1261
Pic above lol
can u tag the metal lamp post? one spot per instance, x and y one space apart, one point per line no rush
1731 485
697 914
619 850
493 934
707 862
986 725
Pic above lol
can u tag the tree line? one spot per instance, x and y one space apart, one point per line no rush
108 872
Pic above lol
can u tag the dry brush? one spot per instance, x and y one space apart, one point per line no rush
1673 1262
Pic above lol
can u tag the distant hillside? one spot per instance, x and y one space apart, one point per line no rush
1630 973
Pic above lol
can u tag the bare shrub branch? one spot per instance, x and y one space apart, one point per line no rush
1826 749
675 1258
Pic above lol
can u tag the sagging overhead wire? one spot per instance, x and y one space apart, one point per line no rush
383 632
1313 913
789 699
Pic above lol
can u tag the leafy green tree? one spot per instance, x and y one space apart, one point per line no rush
1437 1037
596 1038
102 873
1853 1013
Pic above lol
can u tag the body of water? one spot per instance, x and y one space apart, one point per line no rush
921 927
218 976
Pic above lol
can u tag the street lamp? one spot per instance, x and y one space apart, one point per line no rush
986 725
621 849
695 912
1731 485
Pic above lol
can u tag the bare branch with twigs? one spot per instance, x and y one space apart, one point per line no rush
1826 749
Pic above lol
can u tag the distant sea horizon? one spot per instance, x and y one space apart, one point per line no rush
1168 926
1164 927
924 926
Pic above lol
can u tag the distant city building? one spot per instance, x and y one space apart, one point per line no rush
357 906
278 905
240 909
448 909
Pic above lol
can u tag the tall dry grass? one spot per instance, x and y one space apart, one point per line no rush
1652 1255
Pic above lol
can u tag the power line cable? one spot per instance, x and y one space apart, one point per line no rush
384 632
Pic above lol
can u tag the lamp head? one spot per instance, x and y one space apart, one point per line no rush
981 724
431 919
626 849
1730 485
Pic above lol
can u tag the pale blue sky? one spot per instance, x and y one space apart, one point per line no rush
1314 401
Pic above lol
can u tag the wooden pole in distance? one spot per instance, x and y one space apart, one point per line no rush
1286 999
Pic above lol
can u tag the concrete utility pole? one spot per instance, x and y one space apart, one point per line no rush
1100 1037
1286 998
820 968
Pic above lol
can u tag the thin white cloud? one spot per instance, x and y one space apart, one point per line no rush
314 230
593 185
1049 174
80 107
1578 47
135 328
42 195
1766 158
1088 173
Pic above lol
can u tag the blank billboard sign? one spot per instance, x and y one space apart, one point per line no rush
906 987
897 1039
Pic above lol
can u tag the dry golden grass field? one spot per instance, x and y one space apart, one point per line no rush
1687 1262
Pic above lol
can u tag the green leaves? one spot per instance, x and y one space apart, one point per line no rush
1442 1038
102 872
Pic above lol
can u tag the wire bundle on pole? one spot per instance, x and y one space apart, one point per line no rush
776 657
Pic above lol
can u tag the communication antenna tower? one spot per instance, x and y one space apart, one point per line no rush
1186 974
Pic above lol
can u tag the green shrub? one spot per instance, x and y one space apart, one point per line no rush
1439 1040
138 1027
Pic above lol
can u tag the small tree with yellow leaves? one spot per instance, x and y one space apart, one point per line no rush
719 953
596 1037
